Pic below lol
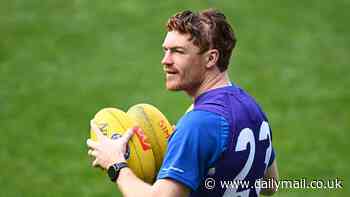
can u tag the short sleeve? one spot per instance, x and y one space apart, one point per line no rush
194 147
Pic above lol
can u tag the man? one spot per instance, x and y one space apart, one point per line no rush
225 137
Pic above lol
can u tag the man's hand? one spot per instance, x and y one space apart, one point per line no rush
107 151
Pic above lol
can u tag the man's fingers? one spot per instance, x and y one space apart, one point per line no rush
96 129
91 144
129 133
92 152
95 163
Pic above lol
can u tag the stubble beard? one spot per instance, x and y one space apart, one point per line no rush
185 83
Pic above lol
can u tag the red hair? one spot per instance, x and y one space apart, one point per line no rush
208 29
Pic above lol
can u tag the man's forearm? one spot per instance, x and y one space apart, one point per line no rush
131 186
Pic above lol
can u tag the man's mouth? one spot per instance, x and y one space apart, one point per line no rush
171 72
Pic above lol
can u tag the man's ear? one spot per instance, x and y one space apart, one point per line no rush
212 57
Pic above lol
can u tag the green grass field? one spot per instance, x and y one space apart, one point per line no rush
62 61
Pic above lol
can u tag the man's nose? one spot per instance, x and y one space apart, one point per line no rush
167 60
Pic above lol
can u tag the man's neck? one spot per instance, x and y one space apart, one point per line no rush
218 81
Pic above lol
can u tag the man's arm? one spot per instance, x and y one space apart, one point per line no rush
131 186
271 173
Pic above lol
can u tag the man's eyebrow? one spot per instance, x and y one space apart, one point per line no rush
173 48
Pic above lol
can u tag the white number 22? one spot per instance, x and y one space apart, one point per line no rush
246 136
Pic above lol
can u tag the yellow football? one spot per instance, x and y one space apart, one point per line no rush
113 123
156 127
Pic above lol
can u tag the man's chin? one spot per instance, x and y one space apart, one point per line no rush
172 87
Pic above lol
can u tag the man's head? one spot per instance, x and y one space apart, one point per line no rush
195 44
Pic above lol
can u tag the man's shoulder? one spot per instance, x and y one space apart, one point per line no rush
217 101
221 97
198 117
229 102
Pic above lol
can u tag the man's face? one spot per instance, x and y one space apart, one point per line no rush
183 65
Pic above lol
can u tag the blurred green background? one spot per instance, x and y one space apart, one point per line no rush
62 61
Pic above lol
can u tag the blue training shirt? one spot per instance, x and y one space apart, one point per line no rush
226 137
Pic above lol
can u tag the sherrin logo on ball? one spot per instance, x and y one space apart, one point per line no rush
113 123
143 138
